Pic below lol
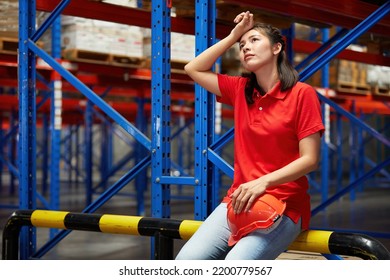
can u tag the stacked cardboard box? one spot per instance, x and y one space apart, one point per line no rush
351 76
101 36
378 77
9 26
9 18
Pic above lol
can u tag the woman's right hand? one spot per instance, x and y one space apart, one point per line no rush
244 22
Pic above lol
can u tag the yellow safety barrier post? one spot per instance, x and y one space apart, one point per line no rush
166 230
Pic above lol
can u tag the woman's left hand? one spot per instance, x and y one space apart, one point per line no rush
244 196
244 22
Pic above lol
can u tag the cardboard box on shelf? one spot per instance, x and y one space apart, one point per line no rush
351 76
9 18
101 36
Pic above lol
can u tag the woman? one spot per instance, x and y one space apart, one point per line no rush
278 127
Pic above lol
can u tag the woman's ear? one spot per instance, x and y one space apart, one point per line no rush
277 48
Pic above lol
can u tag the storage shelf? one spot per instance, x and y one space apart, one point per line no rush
343 13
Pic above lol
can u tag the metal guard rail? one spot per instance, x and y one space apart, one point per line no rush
165 230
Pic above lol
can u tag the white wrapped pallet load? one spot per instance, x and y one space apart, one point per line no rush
182 47
112 39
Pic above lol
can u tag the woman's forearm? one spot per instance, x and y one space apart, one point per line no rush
205 61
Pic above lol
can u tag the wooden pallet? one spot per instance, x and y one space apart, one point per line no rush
86 56
9 45
178 65
350 87
147 4
123 60
381 90
103 58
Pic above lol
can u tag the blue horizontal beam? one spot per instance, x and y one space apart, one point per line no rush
181 180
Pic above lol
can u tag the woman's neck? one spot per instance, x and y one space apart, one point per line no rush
267 78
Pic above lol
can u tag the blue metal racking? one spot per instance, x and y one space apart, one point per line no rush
158 147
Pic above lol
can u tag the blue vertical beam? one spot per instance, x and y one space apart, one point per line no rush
379 154
140 153
216 186
204 119
180 144
88 134
55 121
45 153
161 102
290 35
68 155
161 87
77 153
104 154
325 141
213 183
360 151
109 148
353 152
339 151
27 122
325 68
12 151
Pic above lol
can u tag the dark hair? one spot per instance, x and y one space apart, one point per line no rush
287 74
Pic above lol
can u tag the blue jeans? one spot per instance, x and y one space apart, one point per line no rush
210 241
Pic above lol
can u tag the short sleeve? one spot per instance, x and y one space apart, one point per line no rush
309 116
229 86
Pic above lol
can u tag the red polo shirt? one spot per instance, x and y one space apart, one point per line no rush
267 135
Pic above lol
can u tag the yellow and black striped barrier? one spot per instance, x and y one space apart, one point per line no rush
318 241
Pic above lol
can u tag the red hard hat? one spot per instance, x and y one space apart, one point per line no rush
263 214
